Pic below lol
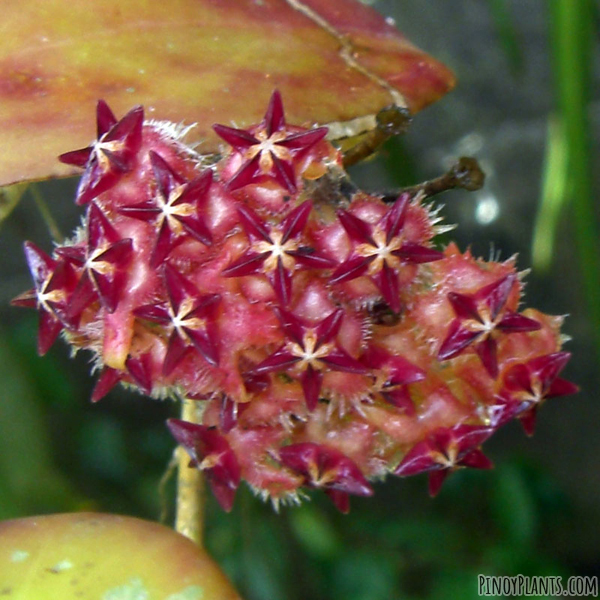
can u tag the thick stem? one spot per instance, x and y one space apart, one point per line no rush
189 519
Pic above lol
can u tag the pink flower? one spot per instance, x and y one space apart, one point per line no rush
381 250
111 155
527 385
310 349
175 209
276 251
54 283
443 451
188 314
269 149
211 453
326 468
481 317
103 260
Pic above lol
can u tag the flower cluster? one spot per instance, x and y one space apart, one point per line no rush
328 339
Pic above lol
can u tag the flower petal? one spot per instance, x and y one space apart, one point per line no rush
295 222
457 340
284 174
351 269
487 350
248 264
176 349
106 382
274 117
356 228
387 282
393 222
311 381
105 118
513 322
237 138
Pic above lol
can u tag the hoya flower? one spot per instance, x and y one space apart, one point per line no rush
269 149
277 250
111 155
314 326
210 453
482 317
103 261
527 385
445 450
326 468
54 283
310 349
380 250
175 209
188 313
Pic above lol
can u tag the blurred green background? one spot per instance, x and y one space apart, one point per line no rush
525 108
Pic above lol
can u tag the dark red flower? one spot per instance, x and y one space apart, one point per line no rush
109 377
54 283
189 314
310 349
138 370
481 317
326 468
381 250
443 451
276 250
112 155
269 149
527 385
210 452
104 261
395 374
175 209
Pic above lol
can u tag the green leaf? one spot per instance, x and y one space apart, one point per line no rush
314 532
29 479
513 507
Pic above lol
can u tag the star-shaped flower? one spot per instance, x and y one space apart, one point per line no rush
380 251
396 373
445 450
310 349
270 148
276 250
481 317
326 468
104 261
112 155
210 452
54 283
189 314
527 385
175 209
138 371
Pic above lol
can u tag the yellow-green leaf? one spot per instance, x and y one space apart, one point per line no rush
204 61
104 557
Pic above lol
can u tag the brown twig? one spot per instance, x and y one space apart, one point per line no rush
465 173
391 121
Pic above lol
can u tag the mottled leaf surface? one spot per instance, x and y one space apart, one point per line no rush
106 557
204 61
